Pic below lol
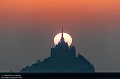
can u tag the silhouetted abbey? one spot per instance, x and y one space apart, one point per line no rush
63 59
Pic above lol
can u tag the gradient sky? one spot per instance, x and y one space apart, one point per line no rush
28 27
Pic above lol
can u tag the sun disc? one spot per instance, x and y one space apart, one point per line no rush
66 36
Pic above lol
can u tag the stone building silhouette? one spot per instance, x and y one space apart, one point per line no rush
62 60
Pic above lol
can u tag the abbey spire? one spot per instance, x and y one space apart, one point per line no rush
62 38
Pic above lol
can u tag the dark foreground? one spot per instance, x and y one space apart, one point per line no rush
60 75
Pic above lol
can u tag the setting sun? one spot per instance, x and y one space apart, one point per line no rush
66 36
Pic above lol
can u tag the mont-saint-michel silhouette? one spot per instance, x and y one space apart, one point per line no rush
63 59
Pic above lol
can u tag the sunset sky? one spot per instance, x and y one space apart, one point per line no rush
28 27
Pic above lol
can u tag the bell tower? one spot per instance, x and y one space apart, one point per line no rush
62 50
62 37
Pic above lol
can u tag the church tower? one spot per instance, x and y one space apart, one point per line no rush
62 38
62 49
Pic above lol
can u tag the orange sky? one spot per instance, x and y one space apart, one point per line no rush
57 11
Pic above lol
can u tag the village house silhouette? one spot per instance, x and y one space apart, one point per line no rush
63 59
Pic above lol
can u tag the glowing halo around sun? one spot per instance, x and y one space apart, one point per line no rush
66 36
